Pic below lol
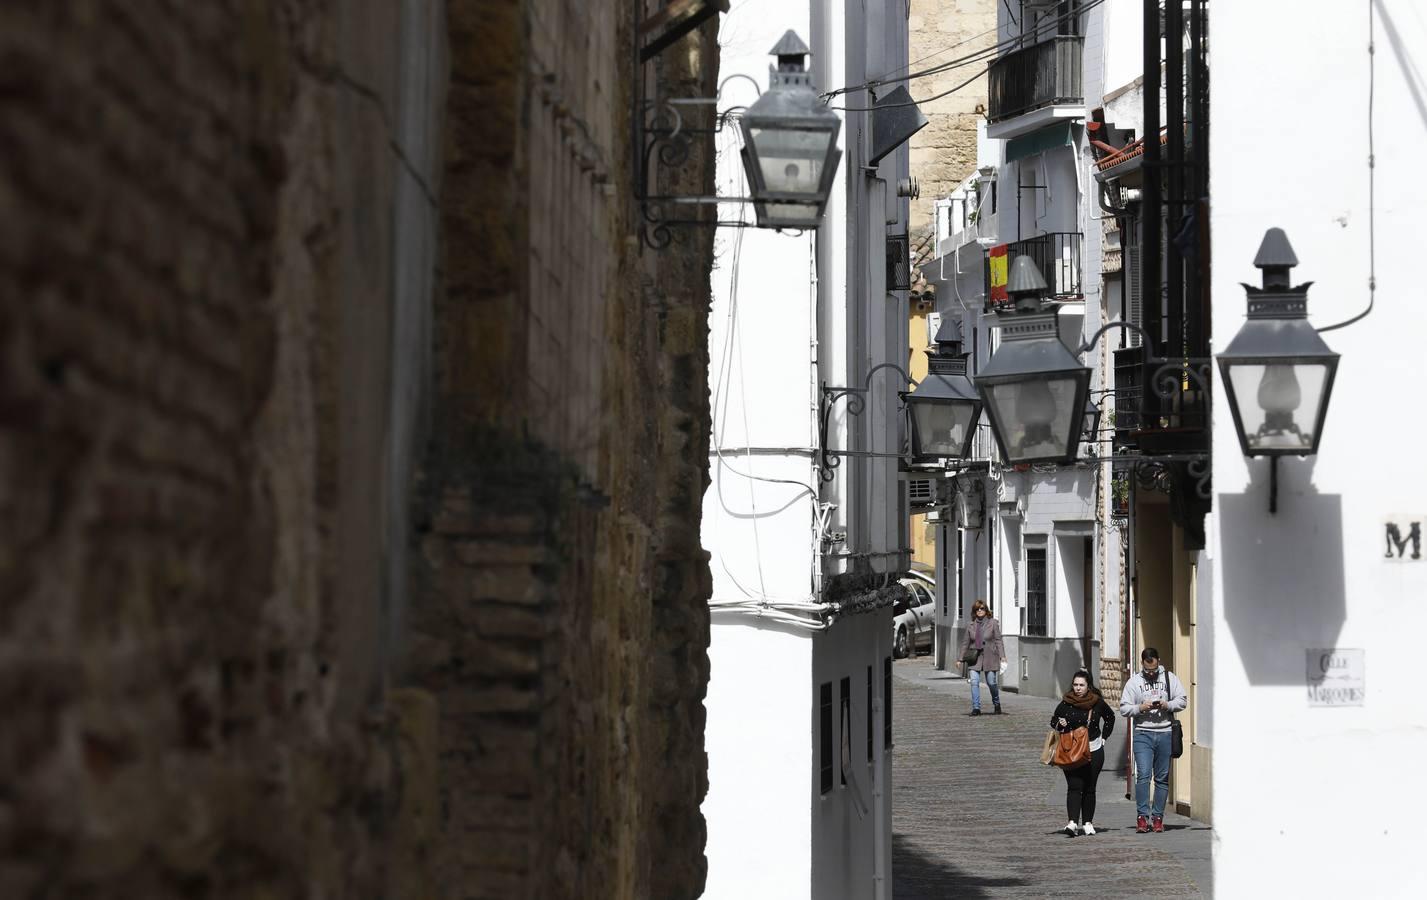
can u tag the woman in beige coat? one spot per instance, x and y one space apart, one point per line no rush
981 654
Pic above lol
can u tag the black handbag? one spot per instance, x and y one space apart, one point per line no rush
971 655
1176 731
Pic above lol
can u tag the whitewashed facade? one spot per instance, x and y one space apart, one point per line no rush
798 730
1042 549
1299 784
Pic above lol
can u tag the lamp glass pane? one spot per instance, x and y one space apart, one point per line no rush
1279 404
1037 416
941 427
792 160
1091 427
792 214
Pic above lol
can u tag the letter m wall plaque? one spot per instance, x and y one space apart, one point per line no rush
1402 536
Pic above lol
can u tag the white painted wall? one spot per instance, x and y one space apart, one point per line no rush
1123 30
760 508
791 312
760 533
1068 618
1297 786
851 824
760 735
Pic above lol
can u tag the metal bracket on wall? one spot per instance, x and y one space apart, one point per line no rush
674 20
1171 378
830 460
664 141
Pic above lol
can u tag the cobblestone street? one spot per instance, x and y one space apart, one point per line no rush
975 814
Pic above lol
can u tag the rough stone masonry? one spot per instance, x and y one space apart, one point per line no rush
351 454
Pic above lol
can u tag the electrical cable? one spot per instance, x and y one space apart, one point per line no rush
1372 182
1045 24
912 102
757 603
921 59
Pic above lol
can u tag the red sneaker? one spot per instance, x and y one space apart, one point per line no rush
1158 824
1142 825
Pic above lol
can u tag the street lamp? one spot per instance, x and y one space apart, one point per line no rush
945 407
1278 372
1091 432
790 143
1034 388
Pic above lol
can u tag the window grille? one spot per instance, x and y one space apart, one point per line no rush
899 262
825 736
887 702
1036 624
869 714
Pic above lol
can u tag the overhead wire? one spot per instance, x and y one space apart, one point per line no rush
1043 25
1372 181
756 602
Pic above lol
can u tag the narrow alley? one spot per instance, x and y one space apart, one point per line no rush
975 814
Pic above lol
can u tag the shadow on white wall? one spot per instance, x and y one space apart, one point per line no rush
1284 587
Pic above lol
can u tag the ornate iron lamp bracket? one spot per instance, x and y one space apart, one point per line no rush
665 142
829 460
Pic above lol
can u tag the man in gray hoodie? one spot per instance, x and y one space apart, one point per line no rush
1149 700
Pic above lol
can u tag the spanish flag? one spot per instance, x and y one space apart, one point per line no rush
996 260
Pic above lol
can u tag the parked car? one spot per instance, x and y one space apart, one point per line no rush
912 615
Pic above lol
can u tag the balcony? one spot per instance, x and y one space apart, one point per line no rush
1149 423
1036 85
1058 255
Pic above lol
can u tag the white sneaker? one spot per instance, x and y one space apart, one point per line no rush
1089 828
1072 828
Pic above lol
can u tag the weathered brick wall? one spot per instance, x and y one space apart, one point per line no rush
218 284
198 298
171 443
563 623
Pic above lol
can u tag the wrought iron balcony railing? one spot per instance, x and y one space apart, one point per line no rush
1041 75
1159 409
1058 255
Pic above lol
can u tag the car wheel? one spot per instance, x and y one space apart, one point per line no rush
899 647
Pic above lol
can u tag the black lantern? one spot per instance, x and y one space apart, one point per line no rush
945 407
1091 432
1034 388
790 143
1277 371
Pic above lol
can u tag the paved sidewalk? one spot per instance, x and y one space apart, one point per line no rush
975 814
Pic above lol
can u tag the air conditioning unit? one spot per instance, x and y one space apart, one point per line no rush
921 492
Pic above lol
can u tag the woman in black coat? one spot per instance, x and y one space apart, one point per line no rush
1082 705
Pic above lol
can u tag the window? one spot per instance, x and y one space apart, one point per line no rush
825 733
923 597
887 702
869 714
845 744
1035 592
1068 16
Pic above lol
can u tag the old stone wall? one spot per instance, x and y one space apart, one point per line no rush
944 152
185 449
351 450
563 624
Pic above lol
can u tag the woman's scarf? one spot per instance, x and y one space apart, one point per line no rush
1087 703
980 644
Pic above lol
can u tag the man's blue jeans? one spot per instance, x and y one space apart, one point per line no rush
975 676
1152 750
